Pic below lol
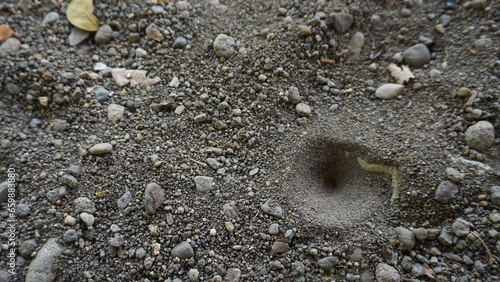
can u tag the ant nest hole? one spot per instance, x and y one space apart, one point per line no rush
336 185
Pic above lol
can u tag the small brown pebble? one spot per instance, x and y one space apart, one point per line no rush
279 247
440 28
481 197
304 30
44 101
101 194
47 76
403 30
417 86
483 203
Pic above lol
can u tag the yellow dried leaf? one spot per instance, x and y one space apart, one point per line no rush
5 32
401 75
80 13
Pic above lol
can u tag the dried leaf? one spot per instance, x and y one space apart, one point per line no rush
401 75
123 77
80 13
377 52
5 32
428 271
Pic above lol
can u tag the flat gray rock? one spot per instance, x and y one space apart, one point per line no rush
446 191
41 268
9 46
203 183
153 197
328 263
341 22
77 36
272 208
355 45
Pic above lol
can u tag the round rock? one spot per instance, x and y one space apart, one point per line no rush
303 110
446 191
461 227
70 236
495 195
183 250
480 136
386 273
115 112
417 55
50 18
179 43
341 22
406 238
87 218
203 183
104 34
101 148
224 45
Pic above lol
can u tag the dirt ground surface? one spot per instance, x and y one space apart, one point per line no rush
266 154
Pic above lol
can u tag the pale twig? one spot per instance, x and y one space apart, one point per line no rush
491 260
200 163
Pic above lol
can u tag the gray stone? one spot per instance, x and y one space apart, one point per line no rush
294 95
87 218
279 247
9 46
446 191
101 148
272 208
274 229
224 45
115 112
75 170
355 45
420 233
12 89
417 270
117 241
303 110
5 276
104 34
417 55
101 94
27 248
193 275
23 210
203 183
70 236
480 136
341 21
153 197
445 19
200 118
405 13
406 238
495 195
183 250
327 263
50 18
58 125
124 200
69 180
4 192
179 43
232 275
84 204
41 268
445 238
386 273
77 36
230 210
454 175
367 276
461 227
483 43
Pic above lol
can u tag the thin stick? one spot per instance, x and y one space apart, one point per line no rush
490 256
471 98
198 162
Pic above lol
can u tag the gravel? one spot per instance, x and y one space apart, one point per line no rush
269 108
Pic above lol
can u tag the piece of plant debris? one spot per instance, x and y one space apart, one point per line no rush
80 13
377 52
401 75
